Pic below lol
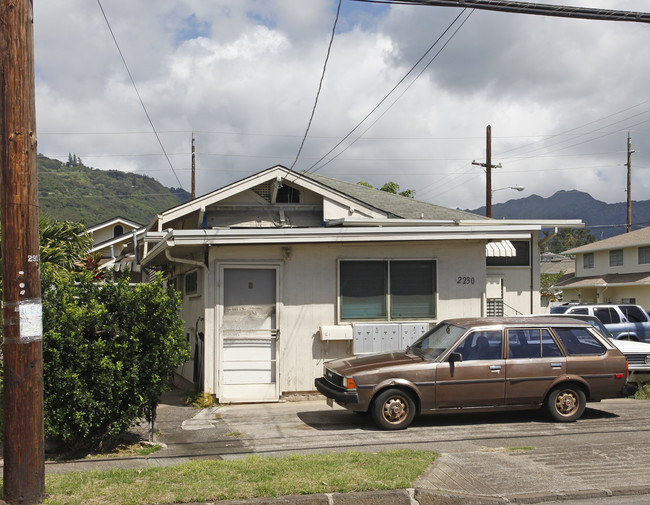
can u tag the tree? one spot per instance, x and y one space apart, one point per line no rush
108 352
391 187
568 238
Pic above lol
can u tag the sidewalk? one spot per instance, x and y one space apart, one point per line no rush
467 477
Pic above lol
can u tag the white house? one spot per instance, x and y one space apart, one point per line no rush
282 271
110 238
616 269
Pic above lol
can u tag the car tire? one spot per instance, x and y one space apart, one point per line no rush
393 409
566 403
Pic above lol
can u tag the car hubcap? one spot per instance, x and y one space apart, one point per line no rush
395 410
566 403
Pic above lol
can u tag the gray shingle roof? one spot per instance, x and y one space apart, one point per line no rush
396 206
635 238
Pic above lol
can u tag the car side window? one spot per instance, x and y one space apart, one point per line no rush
633 313
480 345
531 343
580 310
579 341
607 315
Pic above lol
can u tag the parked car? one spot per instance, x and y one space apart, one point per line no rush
636 353
489 364
624 321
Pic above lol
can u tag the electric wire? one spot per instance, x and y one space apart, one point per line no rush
320 85
399 96
128 71
313 167
529 8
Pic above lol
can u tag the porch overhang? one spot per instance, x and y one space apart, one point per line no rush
193 240
603 281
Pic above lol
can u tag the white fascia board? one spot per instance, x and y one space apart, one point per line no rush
112 222
122 239
249 183
328 235
542 223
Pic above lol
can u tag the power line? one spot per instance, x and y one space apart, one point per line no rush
320 85
401 94
529 8
312 168
137 92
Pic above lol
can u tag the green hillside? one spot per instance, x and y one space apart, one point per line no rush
73 192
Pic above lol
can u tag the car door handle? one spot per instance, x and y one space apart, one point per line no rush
556 365
495 368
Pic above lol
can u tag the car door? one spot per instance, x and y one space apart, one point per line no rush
478 380
637 321
534 362
610 318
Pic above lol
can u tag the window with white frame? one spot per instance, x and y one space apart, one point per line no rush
387 290
588 261
644 255
616 258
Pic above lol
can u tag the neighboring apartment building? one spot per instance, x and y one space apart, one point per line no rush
616 269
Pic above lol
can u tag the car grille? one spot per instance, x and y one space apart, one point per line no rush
333 377
638 358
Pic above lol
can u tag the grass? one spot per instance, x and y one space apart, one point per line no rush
253 477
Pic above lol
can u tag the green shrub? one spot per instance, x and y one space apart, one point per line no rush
108 352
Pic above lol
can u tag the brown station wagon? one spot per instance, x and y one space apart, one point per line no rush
482 364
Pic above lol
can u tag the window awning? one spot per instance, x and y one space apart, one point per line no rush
501 249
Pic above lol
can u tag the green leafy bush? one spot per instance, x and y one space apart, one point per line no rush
108 352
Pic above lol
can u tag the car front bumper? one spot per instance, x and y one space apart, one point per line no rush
339 395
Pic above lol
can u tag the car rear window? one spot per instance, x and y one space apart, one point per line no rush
633 313
579 341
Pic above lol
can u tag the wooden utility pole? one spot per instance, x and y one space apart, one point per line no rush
24 447
193 169
488 170
629 183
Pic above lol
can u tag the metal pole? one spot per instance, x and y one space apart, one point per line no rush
488 171
629 183
193 169
24 447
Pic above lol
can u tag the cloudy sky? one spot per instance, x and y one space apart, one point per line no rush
559 94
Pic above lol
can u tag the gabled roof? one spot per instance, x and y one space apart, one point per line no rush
633 239
397 206
372 201
112 222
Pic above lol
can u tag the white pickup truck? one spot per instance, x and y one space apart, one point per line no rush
624 321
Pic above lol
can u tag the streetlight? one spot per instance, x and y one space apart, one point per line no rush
488 207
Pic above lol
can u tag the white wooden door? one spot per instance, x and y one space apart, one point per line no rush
249 335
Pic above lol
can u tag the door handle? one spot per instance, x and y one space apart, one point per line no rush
556 365
495 368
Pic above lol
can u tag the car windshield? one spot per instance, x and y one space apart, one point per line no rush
436 341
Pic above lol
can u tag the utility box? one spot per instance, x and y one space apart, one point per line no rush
336 332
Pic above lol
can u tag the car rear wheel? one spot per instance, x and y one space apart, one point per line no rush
566 403
393 409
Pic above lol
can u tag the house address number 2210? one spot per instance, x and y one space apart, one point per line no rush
465 280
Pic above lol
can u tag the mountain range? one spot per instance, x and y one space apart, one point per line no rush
74 192
602 219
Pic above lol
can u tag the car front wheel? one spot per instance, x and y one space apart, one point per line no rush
566 403
393 409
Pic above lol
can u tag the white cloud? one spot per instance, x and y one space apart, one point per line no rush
560 94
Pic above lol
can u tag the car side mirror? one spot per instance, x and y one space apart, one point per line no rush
455 357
